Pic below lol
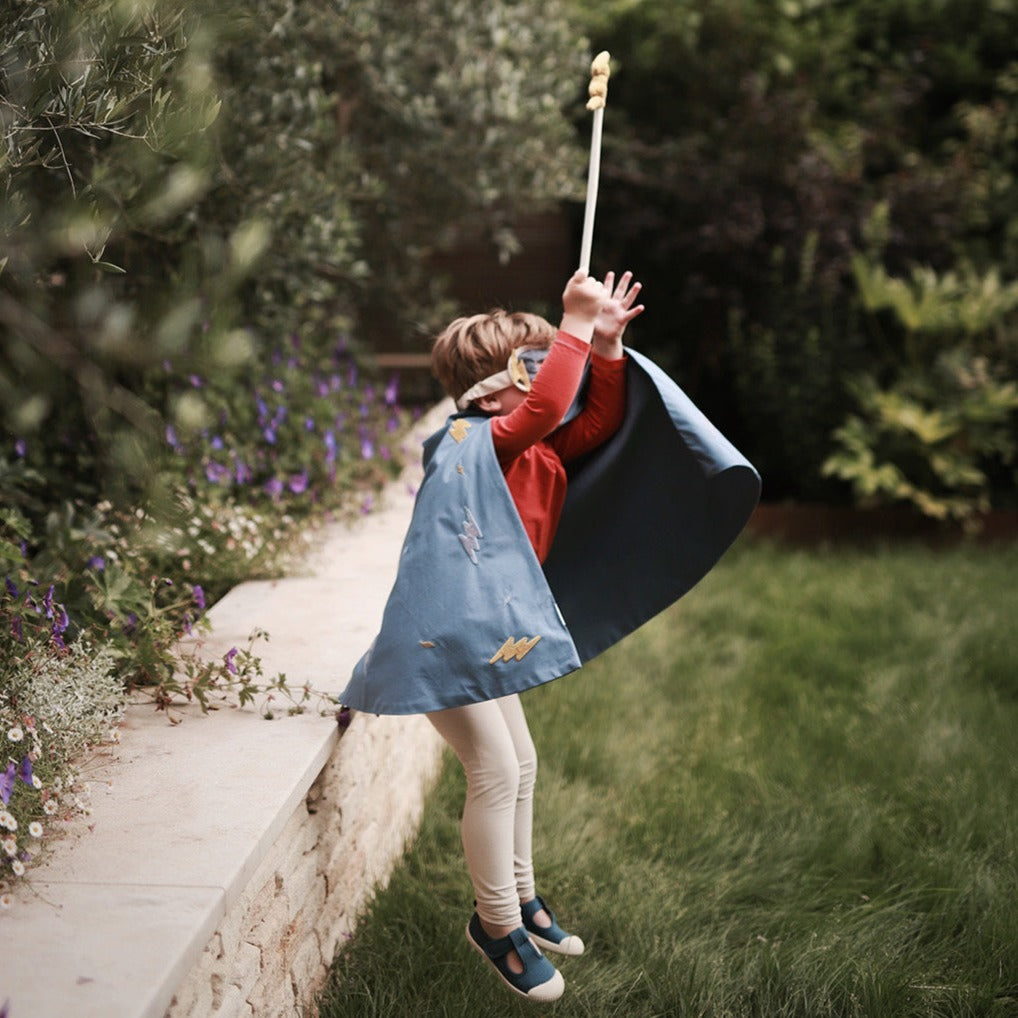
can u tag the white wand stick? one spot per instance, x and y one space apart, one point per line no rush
599 73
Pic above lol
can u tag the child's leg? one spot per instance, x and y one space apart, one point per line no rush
480 738
523 828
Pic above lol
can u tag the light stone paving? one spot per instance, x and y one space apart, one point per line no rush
229 857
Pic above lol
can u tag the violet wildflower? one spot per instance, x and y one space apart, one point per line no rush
392 391
7 783
241 472
20 448
277 385
11 588
25 771
228 660
299 483
97 562
270 435
274 487
199 597
263 410
309 424
216 442
171 437
195 380
367 448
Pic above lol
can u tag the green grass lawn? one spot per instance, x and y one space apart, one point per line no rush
794 793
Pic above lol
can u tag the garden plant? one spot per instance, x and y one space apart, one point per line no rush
210 213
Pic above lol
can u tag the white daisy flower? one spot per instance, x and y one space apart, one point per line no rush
50 807
8 821
5 902
15 734
10 846
36 782
19 868
35 829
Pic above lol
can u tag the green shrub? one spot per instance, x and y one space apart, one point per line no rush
939 430
744 140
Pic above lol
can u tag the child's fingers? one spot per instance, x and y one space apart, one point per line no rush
632 313
631 294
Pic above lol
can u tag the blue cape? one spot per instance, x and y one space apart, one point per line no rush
473 616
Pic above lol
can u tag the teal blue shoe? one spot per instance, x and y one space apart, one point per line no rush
539 981
551 938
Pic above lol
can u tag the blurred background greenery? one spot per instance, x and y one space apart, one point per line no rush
216 215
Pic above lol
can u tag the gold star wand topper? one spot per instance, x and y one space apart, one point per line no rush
600 71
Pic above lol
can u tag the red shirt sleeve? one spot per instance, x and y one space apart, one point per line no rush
550 396
602 414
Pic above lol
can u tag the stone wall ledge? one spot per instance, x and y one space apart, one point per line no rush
229 857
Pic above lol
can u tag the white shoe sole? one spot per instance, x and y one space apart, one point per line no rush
544 993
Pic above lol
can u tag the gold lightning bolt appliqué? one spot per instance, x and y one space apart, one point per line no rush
514 650
459 429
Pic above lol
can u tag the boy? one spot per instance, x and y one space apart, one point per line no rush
473 621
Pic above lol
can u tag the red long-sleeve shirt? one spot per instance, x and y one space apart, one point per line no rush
532 449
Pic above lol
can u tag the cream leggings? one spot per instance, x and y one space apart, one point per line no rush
493 743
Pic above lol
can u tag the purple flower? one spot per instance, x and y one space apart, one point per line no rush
392 424
274 486
7 783
25 770
270 436
228 660
309 424
195 381
97 562
367 505
171 437
20 448
199 597
392 391
263 410
277 385
131 624
241 472
216 442
323 389
47 602
11 588
367 448
299 483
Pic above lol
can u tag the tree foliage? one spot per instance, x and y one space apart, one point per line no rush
748 146
192 182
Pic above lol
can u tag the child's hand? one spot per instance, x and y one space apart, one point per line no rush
582 301
617 312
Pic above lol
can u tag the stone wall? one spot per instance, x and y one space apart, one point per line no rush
271 953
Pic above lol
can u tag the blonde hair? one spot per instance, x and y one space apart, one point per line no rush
472 348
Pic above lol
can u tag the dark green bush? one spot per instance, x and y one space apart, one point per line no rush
747 146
